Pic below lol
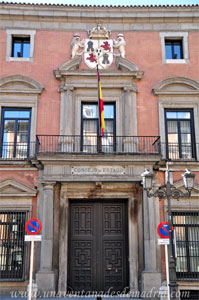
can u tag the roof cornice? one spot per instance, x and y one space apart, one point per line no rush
97 6
79 14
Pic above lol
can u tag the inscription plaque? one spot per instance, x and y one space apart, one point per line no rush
98 170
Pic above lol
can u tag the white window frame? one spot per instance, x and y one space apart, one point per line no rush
175 36
19 33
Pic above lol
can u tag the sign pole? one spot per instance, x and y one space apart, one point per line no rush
31 270
167 269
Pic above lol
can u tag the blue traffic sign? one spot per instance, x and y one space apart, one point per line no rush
33 226
163 230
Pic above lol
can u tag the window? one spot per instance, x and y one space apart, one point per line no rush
15 135
12 245
173 49
186 225
179 134
20 47
90 128
174 46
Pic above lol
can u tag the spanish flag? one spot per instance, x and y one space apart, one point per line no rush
101 107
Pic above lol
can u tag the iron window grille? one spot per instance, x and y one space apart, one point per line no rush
186 225
13 250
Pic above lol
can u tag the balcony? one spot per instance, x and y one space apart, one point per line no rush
92 144
183 151
16 151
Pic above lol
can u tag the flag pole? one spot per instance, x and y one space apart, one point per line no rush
98 101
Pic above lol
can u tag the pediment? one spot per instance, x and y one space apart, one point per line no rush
69 65
14 188
124 66
177 86
20 84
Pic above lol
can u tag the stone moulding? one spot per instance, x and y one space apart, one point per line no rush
10 187
124 66
20 84
177 86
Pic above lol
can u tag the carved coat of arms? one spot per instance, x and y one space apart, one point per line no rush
98 49
98 52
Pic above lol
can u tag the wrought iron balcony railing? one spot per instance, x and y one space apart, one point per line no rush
17 151
92 144
182 151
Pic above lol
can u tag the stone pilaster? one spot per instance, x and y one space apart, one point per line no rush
63 239
45 278
66 109
133 242
66 141
130 120
151 276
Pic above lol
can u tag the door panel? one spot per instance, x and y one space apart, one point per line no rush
98 246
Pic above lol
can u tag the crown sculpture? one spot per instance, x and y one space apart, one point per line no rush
99 33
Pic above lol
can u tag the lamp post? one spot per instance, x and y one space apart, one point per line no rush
168 191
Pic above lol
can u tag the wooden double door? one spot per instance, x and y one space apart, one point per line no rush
98 245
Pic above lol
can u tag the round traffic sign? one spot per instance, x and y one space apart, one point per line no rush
33 226
163 230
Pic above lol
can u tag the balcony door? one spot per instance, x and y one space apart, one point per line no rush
15 133
180 134
91 143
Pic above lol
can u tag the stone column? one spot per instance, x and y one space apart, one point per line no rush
63 239
66 142
45 278
151 276
130 120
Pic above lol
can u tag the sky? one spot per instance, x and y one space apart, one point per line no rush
109 2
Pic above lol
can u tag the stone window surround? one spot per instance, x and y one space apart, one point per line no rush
178 99
116 100
71 99
174 36
28 101
20 199
24 97
178 103
19 33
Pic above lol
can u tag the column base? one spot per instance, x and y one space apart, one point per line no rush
151 282
45 281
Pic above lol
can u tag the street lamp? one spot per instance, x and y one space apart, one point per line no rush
167 191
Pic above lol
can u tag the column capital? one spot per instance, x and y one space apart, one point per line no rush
66 88
48 185
130 89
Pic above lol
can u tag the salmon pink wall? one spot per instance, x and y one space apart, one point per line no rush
28 178
53 48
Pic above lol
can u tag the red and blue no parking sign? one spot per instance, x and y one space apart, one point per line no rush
163 230
33 226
